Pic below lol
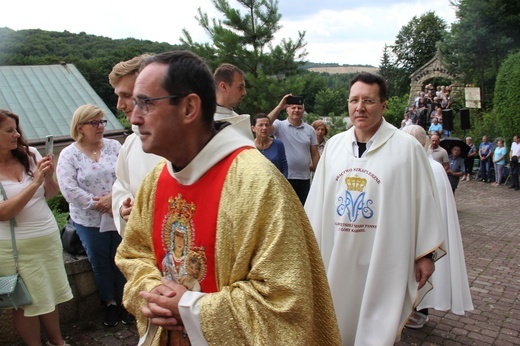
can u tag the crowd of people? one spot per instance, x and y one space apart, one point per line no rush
212 227
496 164
492 160
427 109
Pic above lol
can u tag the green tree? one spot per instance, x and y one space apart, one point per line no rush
395 107
415 45
313 83
245 39
507 89
392 73
485 33
330 102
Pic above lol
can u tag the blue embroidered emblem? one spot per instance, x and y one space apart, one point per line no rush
354 208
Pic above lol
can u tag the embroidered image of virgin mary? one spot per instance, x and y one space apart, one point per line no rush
183 263
174 267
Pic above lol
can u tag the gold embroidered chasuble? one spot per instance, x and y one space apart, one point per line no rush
272 287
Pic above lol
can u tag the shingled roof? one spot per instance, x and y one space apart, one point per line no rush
46 96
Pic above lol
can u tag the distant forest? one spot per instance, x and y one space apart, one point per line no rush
94 56
317 64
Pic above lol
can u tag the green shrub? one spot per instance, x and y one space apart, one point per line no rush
507 89
395 107
58 203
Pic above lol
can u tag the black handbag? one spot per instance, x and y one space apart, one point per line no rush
13 292
70 239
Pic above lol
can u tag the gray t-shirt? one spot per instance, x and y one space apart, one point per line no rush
439 154
297 141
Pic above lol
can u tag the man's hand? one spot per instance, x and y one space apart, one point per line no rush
126 208
276 111
424 268
283 102
162 304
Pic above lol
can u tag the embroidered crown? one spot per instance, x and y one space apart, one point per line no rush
181 209
355 183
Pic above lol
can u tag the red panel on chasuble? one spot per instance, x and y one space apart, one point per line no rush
185 223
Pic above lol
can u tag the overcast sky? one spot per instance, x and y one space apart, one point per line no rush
337 31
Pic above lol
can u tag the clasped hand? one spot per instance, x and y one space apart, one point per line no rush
162 304
104 204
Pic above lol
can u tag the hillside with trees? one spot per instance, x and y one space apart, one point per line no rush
94 56
485 34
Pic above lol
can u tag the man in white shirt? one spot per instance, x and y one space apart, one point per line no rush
515 147
132 163
514 165
230 89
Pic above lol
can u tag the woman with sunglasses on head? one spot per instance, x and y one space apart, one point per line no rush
27 180
86 173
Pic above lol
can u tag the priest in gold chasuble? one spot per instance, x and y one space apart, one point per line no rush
218 249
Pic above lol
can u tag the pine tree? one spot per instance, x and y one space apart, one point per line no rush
244 37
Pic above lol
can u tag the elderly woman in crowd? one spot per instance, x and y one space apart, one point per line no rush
27 179
86 173
322 130
272 148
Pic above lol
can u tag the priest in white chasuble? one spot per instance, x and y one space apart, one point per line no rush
375 214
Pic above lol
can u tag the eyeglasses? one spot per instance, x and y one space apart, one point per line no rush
96 123
142 104
366 102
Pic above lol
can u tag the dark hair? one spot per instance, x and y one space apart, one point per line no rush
188 73
371 78
259 116
22 152
225 73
